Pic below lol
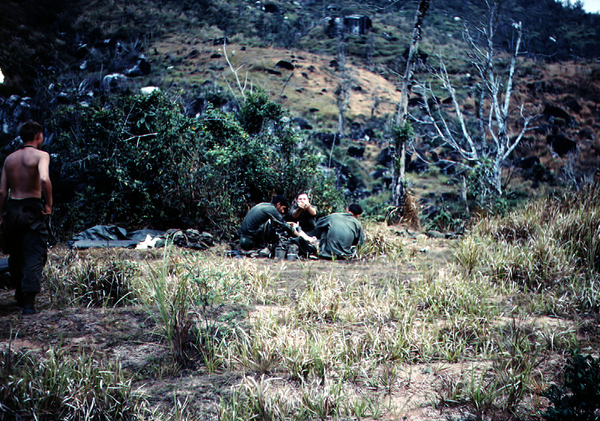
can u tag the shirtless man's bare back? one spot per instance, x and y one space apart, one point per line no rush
25 181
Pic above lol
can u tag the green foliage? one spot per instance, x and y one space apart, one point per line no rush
134 155
140 161
578 399
449 218
481 190
401 135
256 110
376 206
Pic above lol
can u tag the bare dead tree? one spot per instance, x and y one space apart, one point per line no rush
490 142
342 91
401 129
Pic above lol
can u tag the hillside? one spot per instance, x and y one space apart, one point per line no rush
481 313
62 52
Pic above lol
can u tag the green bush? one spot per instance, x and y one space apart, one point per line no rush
140 161
578 399
134 155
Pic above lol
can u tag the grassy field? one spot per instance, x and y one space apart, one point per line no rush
416 328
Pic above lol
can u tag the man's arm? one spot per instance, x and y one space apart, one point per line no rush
43 168
3 193
312 211
296 212
290 228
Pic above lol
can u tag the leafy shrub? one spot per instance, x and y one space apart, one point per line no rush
578 399
132 157
139 161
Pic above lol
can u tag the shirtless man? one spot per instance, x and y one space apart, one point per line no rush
25 180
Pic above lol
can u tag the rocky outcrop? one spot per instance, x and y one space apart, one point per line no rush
350 24
356 151
14 111
282 64
552 112
302 124
561 144
115 82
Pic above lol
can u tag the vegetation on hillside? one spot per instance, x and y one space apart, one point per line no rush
72 47
43 38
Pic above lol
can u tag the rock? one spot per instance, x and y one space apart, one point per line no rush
561 144
542 87
356 151
385 157
14 145
557 112
586 133
328 139
272 8
230 107
417 165
63 98
196 107
13 112
420 55
191 238
415 101
147 90
193 54
352 24
220 41
527 163
273 72
378 173
435 234
572 104
285 65
301 123
114 82
141 68
446 167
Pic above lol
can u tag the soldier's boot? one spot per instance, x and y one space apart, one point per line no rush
29 304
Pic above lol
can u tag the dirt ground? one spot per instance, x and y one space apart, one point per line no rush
132 337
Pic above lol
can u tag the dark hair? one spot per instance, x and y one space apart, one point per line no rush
301 193
29 129
355 209
280 199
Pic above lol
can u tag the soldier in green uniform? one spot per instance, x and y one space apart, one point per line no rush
339 233
258 227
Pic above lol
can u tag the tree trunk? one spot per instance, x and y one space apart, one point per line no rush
497 177
402 110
